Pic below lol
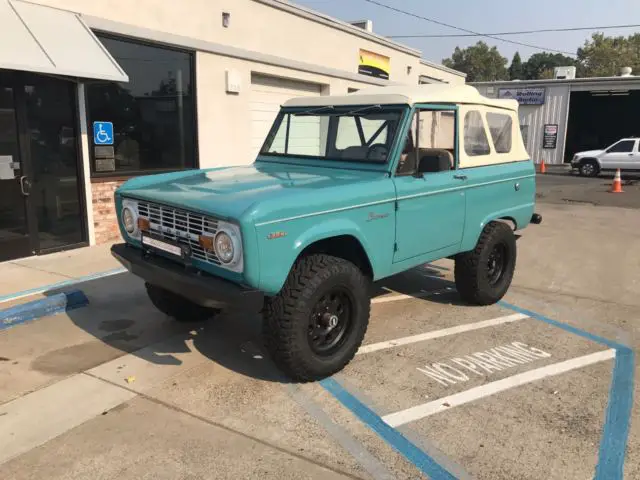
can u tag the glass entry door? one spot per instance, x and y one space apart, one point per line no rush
15 240
40 189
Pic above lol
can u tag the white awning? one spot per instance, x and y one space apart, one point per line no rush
43 39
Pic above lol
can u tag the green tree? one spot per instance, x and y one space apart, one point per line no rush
539 65
604 56
479 62
516 70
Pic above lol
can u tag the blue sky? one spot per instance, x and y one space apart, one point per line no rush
487 16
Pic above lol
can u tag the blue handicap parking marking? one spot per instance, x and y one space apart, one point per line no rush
613 440
103 133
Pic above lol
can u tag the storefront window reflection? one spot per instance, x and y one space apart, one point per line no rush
153 115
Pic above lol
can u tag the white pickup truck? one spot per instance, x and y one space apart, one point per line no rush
623 154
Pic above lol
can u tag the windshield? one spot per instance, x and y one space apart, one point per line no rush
349 134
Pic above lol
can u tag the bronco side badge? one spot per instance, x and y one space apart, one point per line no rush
275 235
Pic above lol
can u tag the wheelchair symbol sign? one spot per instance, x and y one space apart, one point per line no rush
103 133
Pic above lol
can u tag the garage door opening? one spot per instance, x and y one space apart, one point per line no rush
267 95
599 118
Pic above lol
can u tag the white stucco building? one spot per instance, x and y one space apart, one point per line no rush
93 92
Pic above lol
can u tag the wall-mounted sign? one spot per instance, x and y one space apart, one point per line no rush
374 64
103 133
550 137
524 96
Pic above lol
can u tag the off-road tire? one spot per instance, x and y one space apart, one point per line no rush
591 173
176 306
287 316
471 268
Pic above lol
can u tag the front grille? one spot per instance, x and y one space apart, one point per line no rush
181 226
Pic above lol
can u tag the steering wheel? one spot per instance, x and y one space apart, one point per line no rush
377 152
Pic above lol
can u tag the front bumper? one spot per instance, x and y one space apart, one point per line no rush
199 287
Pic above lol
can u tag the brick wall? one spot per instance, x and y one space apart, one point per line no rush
104 211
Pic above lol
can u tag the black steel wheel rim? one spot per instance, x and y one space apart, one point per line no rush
330 321
496 263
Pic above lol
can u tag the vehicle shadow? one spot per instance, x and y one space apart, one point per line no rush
121 317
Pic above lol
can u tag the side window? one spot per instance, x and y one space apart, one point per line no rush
475 137
430 143
500 126
625 146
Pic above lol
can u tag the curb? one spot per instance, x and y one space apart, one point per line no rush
53 305
63 284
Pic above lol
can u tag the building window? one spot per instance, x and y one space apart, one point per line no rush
500 126
475 137
153 116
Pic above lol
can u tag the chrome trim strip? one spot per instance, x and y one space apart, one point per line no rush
352 207
464 187
342 209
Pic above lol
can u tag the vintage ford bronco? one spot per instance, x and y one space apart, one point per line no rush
345 190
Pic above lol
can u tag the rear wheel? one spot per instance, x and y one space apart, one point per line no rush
315 325
589 168
484 275
176 306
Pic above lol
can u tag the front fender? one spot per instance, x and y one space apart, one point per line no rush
281 244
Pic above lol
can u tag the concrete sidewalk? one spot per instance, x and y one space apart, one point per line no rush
36 273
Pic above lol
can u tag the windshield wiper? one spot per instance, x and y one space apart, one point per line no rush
358 110
315 110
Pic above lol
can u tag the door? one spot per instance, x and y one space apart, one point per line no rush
40 196
267 95
52 152
431 203
631 161
15 240
619 154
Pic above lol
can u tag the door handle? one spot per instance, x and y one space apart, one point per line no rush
25 186
460 177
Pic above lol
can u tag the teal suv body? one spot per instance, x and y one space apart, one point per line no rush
346 190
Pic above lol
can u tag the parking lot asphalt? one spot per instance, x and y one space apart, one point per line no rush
535 387
563 187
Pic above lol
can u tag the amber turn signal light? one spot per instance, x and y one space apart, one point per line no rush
206 242
143 224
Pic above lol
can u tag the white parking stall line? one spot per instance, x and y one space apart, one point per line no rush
395 298
436 406
467 327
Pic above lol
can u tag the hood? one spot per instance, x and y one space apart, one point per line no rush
589 153
230 192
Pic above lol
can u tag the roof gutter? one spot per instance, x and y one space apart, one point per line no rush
323 19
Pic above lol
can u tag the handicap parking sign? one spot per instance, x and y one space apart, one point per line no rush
103 133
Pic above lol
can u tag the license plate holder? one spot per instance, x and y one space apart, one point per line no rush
157 244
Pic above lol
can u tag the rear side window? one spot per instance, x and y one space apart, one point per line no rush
475 137
500 127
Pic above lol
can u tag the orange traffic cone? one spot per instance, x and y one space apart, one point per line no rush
617 183
543 167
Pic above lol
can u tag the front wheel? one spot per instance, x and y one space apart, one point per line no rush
484 275
315 325
589 168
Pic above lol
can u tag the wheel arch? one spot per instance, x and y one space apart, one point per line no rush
345 246
337 237
591 160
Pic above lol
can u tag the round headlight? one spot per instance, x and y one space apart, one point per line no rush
128 219
224 247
